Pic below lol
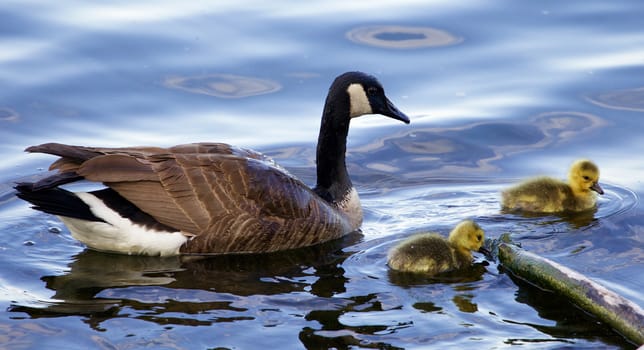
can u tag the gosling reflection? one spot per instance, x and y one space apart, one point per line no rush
464 303
409 279
575 220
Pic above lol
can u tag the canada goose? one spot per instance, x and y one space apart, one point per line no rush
548 195
431 253
211 198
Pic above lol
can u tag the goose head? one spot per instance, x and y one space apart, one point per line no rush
351 95
354 94
584 177
467 236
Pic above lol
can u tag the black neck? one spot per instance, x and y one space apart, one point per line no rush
333 180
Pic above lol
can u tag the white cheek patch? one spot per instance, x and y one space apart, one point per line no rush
359 102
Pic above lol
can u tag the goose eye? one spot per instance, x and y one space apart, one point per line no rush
372 91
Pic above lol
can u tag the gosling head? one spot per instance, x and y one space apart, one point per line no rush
584 177
467 236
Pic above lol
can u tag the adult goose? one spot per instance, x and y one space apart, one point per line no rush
211 198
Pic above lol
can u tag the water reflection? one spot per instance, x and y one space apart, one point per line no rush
576 220
472 149
407 279
101 282
566 316
358 322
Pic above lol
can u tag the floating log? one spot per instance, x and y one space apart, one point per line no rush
626 317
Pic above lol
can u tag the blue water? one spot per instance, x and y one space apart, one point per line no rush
496 90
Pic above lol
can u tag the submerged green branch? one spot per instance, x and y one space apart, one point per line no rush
626 317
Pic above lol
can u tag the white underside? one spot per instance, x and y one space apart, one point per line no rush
119 234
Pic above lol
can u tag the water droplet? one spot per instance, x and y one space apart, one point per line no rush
29 243
55 229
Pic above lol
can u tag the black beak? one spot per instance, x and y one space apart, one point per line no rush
595 187
390 110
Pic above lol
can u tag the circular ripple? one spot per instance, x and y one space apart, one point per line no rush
400 37
223 85
616 200
631 99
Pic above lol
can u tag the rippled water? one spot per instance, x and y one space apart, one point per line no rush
497 91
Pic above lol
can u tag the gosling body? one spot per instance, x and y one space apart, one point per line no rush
548 195
432 254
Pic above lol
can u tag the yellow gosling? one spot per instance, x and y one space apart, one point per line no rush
431 254
548 195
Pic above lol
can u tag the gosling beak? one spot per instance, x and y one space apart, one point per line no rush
595 187
390 110
484 251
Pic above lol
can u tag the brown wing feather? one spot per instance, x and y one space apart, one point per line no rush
274 212
117 168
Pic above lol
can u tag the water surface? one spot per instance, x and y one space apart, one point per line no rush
497 91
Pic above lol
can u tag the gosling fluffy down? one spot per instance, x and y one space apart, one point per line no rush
431 254
548 195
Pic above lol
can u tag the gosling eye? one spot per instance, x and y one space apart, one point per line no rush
478 238
586 178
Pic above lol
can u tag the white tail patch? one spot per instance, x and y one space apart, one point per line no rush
118 234
359 101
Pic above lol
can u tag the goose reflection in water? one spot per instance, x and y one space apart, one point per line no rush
100 283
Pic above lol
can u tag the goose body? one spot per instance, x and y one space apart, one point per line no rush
211 198
431 253
548 195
